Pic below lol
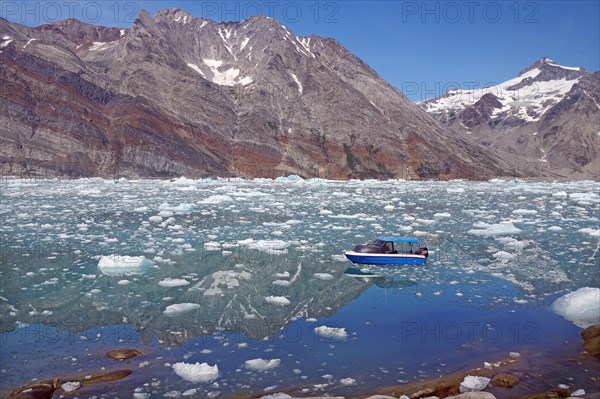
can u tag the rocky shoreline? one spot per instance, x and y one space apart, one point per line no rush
515 376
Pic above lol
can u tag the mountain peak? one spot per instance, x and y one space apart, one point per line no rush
173 15
144 17
548 64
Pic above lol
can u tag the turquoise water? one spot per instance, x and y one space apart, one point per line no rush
261 261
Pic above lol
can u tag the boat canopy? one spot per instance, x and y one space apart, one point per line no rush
398 239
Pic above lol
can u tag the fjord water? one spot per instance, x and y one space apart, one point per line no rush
244 270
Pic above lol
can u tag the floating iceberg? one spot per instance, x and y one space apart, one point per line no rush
274 247
215 199
181 208
173 282
262 364
177 308
331 332
504 228
198 372
123 264
323 276
582 307
277 300
591 232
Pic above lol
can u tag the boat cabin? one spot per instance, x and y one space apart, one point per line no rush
388 245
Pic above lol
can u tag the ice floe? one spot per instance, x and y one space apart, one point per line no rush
173 282
262 364
582 307
197 372
178 308
323 276
485 229
123 264
277 300
331 332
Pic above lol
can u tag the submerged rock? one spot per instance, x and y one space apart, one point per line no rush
558 393
103 376
122 354
505 380
45 389
39 390
591 340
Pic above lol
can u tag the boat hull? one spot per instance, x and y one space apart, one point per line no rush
385 259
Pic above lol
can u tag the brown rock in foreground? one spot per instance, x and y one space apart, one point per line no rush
553 394
505 380
591 340
39 390
45 389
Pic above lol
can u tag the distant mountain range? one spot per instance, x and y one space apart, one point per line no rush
547 119
175 95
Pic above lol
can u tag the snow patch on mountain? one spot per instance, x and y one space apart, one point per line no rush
225 78
197 69
526 97
297 82
244 43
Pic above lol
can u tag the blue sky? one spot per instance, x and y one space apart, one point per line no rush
421 47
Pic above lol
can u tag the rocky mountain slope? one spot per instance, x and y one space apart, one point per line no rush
546 120
175 95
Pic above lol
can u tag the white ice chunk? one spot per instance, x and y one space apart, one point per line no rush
323 276
441 215
275 247
262 364
585 198
582 307
278 395
524 212
123 264
591 232
277 300
198 372
181 208
70 386
504 256
474 383
503 228
331 332
178 308
216 199
173 282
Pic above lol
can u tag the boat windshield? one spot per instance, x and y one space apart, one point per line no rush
377 243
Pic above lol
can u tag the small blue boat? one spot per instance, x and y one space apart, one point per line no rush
389 251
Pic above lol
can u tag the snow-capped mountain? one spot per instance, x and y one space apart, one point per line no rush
546 120
177 95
